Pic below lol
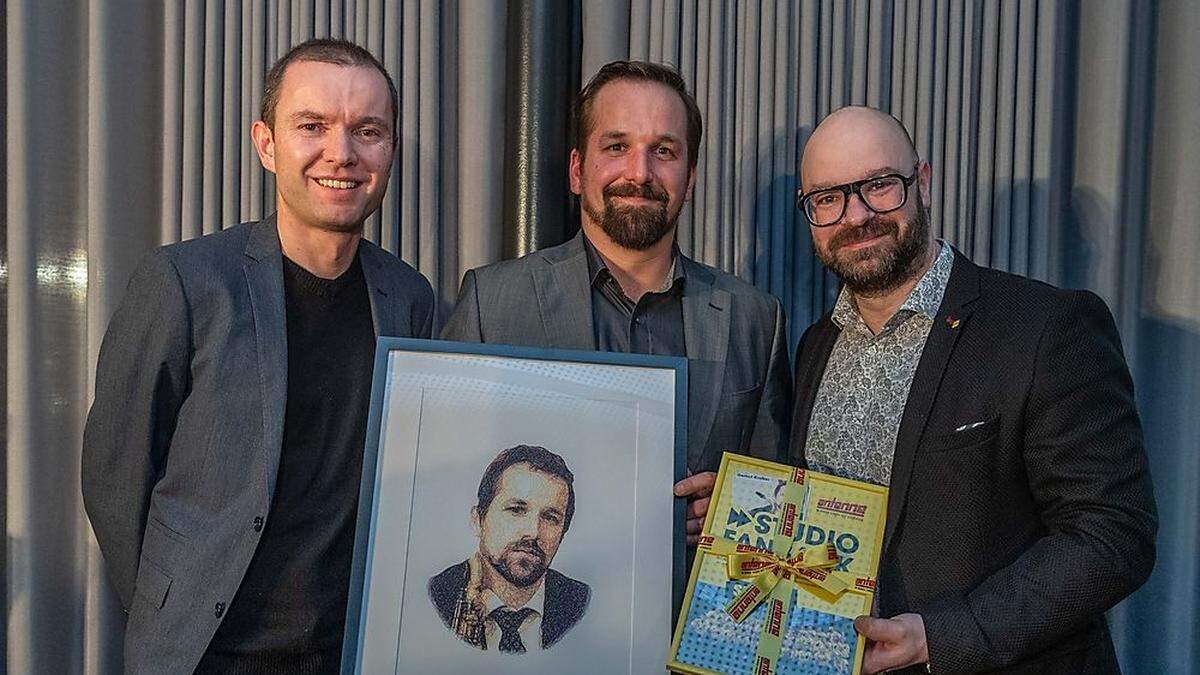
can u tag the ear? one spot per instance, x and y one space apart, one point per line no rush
924 180
264 144
475 520
687 196
575 172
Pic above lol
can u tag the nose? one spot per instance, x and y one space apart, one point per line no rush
527 526
637 167
856 211
339 148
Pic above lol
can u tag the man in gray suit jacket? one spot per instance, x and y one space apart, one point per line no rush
222 455
622 285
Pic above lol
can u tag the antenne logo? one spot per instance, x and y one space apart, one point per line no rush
841 508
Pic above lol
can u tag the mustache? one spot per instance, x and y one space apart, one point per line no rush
873 227
530 546
645 191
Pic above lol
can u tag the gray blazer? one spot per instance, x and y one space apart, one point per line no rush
182 443
739 384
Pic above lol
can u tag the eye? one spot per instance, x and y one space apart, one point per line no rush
310 126
552 519
881 184
827 198
615 147
515 509
370 132
665 152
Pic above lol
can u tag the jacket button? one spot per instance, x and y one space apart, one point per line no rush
258 523
219 610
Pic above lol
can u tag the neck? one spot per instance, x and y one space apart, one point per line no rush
877 308
637 272
324 253
510 595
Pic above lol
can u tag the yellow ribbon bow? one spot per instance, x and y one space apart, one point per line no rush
772 577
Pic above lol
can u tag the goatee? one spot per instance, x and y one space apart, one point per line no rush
885 266
524 573
636 228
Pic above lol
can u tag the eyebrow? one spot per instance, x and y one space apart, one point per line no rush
618 135
882 171
314 115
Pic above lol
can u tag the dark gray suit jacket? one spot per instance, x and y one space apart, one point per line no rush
738 376
1011 538
182 443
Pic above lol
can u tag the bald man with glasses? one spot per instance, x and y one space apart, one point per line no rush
998 410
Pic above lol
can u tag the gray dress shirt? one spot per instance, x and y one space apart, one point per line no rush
861 398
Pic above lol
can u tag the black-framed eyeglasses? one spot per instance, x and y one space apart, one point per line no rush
881 194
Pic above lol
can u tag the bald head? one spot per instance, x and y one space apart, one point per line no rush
853 143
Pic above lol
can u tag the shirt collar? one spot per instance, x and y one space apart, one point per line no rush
598 270
925 298
537 603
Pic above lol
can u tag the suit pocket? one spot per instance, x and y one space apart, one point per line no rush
152 586
971 436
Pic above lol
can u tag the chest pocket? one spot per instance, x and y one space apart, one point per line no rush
973 435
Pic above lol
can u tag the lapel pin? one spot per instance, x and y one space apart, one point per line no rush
952 322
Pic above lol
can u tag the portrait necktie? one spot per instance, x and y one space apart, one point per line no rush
509 621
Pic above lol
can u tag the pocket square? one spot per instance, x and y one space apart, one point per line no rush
971 425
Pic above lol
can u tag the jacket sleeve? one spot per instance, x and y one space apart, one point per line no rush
1087 470
142 378
464 322
770 438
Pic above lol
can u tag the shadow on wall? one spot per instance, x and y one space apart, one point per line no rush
780 250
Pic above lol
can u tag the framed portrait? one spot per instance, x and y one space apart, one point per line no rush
516 513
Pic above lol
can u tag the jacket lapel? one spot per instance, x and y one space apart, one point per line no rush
961 290
565 298
810 368
385 314
264 275
706 339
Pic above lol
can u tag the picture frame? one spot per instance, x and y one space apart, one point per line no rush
515 511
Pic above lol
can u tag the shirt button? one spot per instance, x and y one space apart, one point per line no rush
258 523
219 610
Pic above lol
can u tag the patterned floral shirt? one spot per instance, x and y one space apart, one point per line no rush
861 398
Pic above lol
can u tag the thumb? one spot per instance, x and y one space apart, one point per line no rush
877 630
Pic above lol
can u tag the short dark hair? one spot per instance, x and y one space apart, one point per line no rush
637 71
539 459
322 50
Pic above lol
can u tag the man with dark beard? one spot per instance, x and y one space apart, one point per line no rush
623 285
505 596
998 410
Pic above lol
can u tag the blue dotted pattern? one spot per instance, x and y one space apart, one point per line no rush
816 643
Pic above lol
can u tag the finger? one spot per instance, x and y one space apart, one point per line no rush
693 539
879 630
698 485
872 663
698 508
694 525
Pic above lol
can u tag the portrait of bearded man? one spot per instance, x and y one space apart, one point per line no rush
505 597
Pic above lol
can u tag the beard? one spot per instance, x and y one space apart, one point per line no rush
636 228
884 267
522 563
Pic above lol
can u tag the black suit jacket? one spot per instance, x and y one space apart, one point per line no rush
1012 538
566 600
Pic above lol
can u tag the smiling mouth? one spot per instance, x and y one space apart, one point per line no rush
338 184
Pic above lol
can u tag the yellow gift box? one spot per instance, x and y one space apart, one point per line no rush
787 559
